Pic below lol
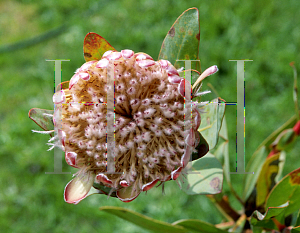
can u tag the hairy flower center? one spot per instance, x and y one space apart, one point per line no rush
149 121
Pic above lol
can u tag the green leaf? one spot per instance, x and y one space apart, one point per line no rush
282 158
295 91
143 221
240 223
94 46
285 140
222 151
254 165
42 118
295 229
256 229
298 219
266 179
288 189
270 139
259 156
268 219
297 224
196 225
204 176
182 40
211 121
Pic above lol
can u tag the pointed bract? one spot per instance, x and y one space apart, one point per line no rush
127 195
78 188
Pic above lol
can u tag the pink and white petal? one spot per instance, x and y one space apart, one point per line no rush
103 63
143 56
197 119
70 158
164 63
127 53
190 139
114 56
186 156
175 174
73 80
78 188
172 70
145 63
209 71
59 97
124 183
57 117
149 185
197 138
174 79
181 86
84 76
127 195
86 65
61 136
107 53
104 179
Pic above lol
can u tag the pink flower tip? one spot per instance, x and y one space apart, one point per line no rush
211 70
59 97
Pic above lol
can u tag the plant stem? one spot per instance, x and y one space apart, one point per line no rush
224 207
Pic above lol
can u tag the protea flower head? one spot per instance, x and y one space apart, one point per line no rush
151 142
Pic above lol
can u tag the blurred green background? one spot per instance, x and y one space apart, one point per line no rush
266 32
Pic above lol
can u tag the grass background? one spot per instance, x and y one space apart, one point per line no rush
266 32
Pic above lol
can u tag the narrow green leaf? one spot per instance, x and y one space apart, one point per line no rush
196 225
295 91
270 139
240 223
258 157
266 179
211 121
285 140
94 46
182 40
204 176
42 118
282 158
267 220
254 165
288 189
296 228
298 219
143 221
